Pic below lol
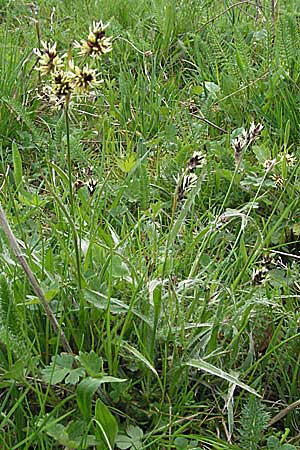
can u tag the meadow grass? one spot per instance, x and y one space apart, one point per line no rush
162 230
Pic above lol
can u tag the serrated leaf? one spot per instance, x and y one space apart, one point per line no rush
60 366
69 436
75 375
31 199
54 375
63 360
91 362
126 165
58 432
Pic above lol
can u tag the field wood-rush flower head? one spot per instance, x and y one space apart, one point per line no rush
97 44
48 58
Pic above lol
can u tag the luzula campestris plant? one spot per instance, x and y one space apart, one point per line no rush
68 80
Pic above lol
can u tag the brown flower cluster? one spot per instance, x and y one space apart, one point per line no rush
188 179
245 139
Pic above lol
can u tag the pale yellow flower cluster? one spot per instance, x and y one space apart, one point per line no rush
97 43
48 59
66 77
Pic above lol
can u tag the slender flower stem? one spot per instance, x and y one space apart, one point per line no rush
69 163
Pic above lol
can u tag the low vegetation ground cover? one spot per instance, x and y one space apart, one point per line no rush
149 172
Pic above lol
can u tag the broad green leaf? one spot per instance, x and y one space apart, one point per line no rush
107 426
119 268
63 360
197 89
273 443
31 199
101 301
70 436
126 165
58 432
86 390
33 300
212 88
181 443
213 370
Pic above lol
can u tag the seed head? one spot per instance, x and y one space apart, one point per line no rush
188 182
245 139
269 164
254 131
238 144
279 180
197 161
290 159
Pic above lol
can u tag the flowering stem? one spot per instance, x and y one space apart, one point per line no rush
69 163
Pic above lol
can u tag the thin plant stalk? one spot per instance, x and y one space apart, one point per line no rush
33 281
71 194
